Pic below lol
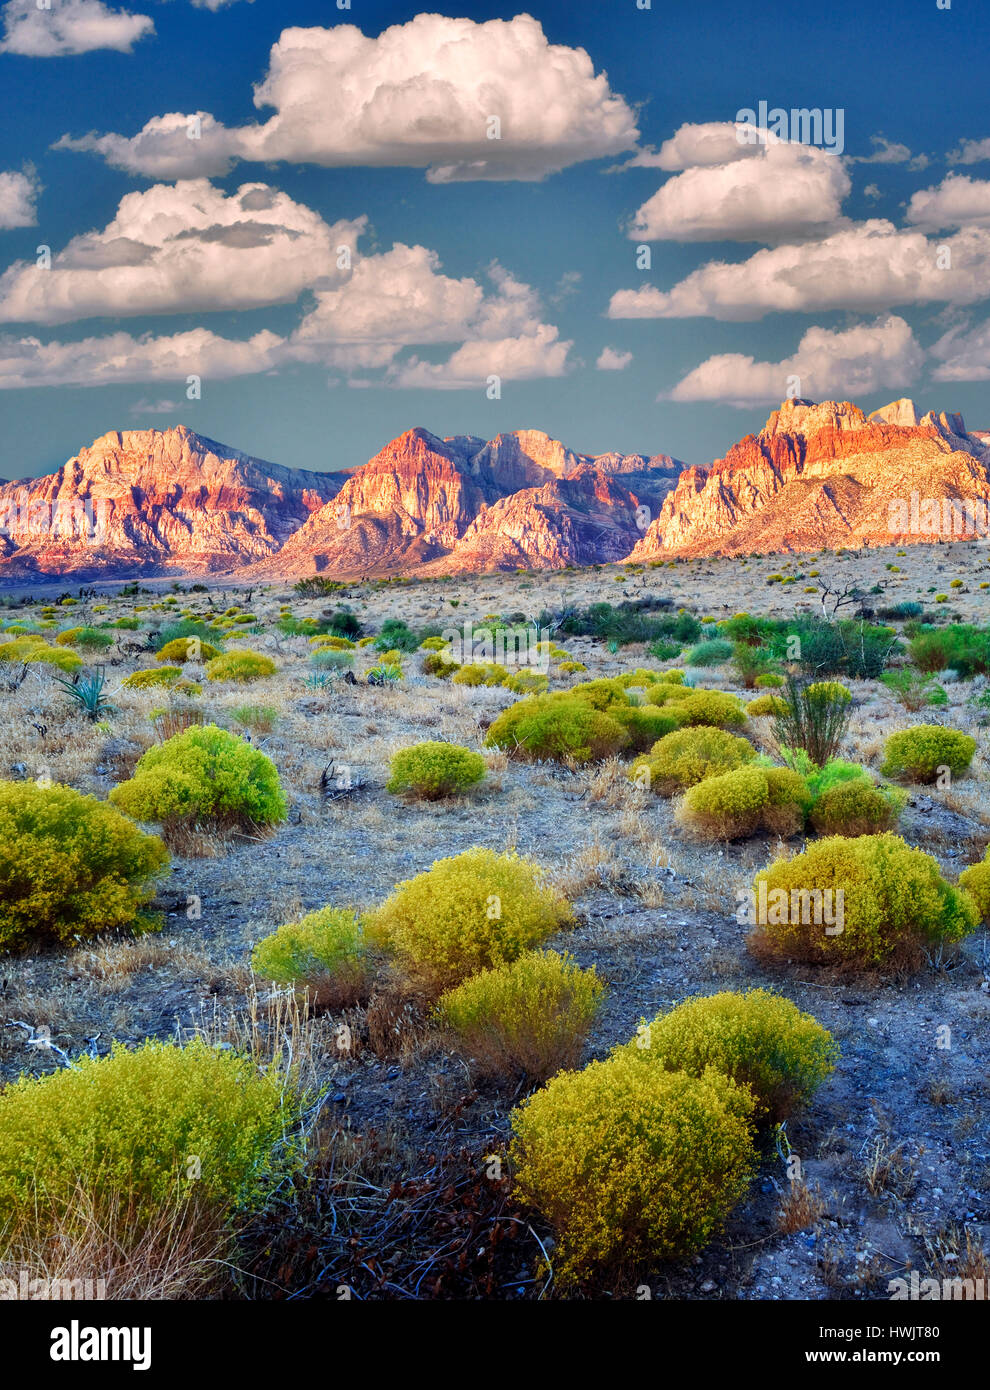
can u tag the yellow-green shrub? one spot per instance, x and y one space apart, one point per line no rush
91 637
600 694
569 668
481 673
920 752
766 705
645 725
433 664
894 904
63 660
170 676
433 770
326 953
183 649
203 776
666 692
976 881
857 807
556 728
469 912
526 682
129 1126
830 690
70 866
631 1163
240 666
769 680
333 644
641 678
679 760
760 1040
713 708
529 1018
788 801
726 807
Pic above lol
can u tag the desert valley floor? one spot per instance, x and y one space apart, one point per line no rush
894 1147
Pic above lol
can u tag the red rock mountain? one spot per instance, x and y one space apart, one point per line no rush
170 501
819 476
144 501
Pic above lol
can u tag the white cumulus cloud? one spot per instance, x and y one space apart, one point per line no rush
958 201
613 360
828 365
68 27
18 196
463 100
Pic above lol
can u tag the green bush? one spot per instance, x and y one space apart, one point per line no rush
556 728
914 690
769 681
127 1127
679 760
765 705
203 776
645 724
895 904
89 637
184 628
601 694
526 682
240 666
667 692
736 804
958 646
326 953
260 719
830 690
433 770
331 659
857 807
184 649
976 881
481 673
758 1039
71 866
713 653
631 1163
527 1019
919 753
433 664
712 708
170 676
468 913
815 719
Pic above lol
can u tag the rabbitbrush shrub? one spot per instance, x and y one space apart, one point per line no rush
765 705
759 1039
556 728
713 708
432 770
645 725
976 881
70 866
529 1018
183 649
240 666
467 913
920 753
325 953
632 1163
679 760
735 804
170 676
127 1127
895 904
203 776
857 807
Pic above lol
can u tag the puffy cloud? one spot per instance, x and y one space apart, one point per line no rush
612 360
884 152
533 355
863 268
970 152
420 95
785 190
964 354
120 357
183 247
69 27
18 194
693 146
828 365
958 201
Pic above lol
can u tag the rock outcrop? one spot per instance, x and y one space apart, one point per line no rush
150 501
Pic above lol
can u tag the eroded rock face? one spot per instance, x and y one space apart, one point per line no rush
822 476
144 501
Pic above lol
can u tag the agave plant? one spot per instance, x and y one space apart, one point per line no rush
86 692
387 673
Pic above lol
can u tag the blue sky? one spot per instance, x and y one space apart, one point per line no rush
829 263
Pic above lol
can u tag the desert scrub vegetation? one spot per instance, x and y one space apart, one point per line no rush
815 718
894 905
632 1163
645 725
170 677
468 913
921 753
71 866
187 649
203 776
325 954
766 705
140 1126
914 689
856 806
681 759
759 1039
556 728
526 1019
433 770
712 708
733 805
242 666
976 882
